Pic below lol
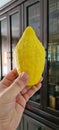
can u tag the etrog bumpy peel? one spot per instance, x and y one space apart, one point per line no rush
29 56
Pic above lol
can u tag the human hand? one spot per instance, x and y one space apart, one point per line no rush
13 97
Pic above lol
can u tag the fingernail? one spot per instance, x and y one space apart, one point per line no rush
24 76
39 85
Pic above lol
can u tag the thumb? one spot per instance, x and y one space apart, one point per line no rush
16 87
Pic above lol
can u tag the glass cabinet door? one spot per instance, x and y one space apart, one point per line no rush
32 124
33 19
5 48
53 54
14 34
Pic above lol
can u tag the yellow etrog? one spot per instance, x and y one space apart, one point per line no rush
29 56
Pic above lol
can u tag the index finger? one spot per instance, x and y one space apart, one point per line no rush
15 88
10 77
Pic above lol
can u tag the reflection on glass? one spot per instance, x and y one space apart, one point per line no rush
5 48
3 2
34 21
53 54
15 33
34 17
36 97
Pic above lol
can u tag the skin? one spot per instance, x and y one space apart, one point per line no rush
14 95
